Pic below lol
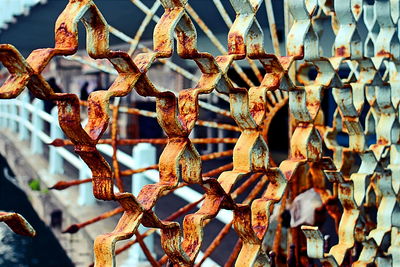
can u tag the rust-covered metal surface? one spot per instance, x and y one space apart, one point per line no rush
372 87
17 223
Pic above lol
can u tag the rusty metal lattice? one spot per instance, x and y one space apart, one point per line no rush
373 84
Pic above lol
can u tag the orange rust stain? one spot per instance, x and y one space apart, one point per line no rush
384 53
256 108
357 9
341 51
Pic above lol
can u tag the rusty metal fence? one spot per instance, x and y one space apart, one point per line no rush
349 191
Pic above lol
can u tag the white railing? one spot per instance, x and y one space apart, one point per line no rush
15 115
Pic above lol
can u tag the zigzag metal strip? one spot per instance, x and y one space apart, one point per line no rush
383 114
376 182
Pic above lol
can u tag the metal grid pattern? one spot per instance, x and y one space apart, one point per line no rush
372 85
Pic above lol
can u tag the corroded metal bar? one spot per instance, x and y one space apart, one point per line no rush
218 170
73 228
17 223
215 243
151 114
222 49
373 87
156 166
146 251
155 141
114 142
172 217
142 28
65 184
272 27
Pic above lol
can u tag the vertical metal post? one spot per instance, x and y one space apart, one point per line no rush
13 113
143 155
85 190
2 118
221 134
37 121
4 109
293 233
272 27
6 113
55 160
23 116
210 147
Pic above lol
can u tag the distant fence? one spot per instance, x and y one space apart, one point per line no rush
28 119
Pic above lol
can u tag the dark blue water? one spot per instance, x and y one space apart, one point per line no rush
16 250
